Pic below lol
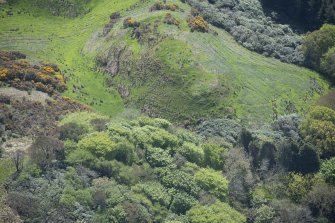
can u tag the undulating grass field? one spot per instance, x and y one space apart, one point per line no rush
212 73
60 40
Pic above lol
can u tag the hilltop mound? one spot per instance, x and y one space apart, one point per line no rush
172 63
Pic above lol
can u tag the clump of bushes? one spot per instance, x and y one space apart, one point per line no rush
169 19
21 74
319 50
158 6
115 16
131 22
251 27
197 23
319 130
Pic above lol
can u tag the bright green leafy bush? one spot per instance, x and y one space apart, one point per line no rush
177 179
98 143
319 129
158 157
264 214
328 170
192 153
214 156
317 43
215 213
213 182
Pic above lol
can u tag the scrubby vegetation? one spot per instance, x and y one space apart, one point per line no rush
147 170
169 19
159 6
28 115
210 131
17 72
250 26
130 22
133 171
319 50
197 23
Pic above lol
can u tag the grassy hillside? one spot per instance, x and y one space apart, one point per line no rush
186 74
60 40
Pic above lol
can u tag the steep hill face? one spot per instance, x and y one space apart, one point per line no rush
158 64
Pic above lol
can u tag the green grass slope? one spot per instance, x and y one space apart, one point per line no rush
183 75
60 40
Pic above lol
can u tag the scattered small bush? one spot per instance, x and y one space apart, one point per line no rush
159 6
114 17
130 22
198 23
169 19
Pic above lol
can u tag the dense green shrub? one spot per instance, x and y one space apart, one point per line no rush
155 192
214 155
260 196
228 129
264 214
98 143
328 170
213 182
327 65
181 202
192 153
163 139
158 157
319 129
298 186
316 44
216 213
177 179
80 156
124 152
156 122
72 131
